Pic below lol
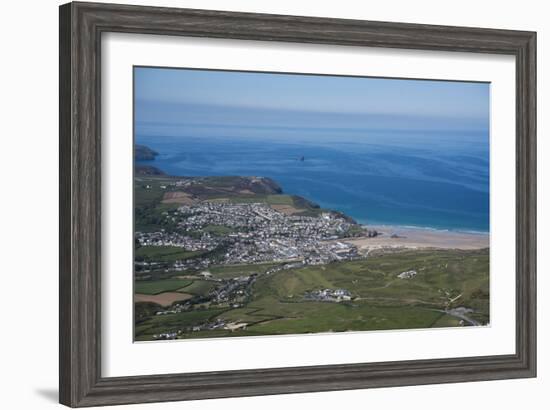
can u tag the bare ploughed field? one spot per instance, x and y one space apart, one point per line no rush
178 197
163 299
286 209
398 237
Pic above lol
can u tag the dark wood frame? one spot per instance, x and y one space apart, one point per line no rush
81 27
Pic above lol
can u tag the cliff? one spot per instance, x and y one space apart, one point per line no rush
143 153
147 170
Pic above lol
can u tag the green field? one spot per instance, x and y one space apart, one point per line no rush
233 271
159 324
148 191
375 279
148 209
155 287
280 199
380 300
314 317
199 287
164 253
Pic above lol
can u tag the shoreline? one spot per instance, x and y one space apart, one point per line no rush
419 238
360 221
402 236
396 227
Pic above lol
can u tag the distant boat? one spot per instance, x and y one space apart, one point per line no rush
302 158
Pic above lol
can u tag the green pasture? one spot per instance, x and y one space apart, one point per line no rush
380 300
154 287
164 253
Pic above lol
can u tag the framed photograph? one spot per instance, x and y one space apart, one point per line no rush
259 204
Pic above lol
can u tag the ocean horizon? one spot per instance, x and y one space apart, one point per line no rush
394 178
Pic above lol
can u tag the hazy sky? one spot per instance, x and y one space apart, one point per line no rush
172 101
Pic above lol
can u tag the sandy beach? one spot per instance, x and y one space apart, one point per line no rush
405 237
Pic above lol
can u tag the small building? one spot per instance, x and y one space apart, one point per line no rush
407 275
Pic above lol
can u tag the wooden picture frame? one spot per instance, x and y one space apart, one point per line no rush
81 27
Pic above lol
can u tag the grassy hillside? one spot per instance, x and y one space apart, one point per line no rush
380 300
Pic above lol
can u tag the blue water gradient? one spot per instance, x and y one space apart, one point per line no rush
375 176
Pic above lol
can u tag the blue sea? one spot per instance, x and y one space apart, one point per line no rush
377 177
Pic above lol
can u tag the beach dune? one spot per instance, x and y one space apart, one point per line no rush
416 238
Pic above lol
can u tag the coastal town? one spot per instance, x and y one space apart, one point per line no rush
230 256
222 233
252 233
